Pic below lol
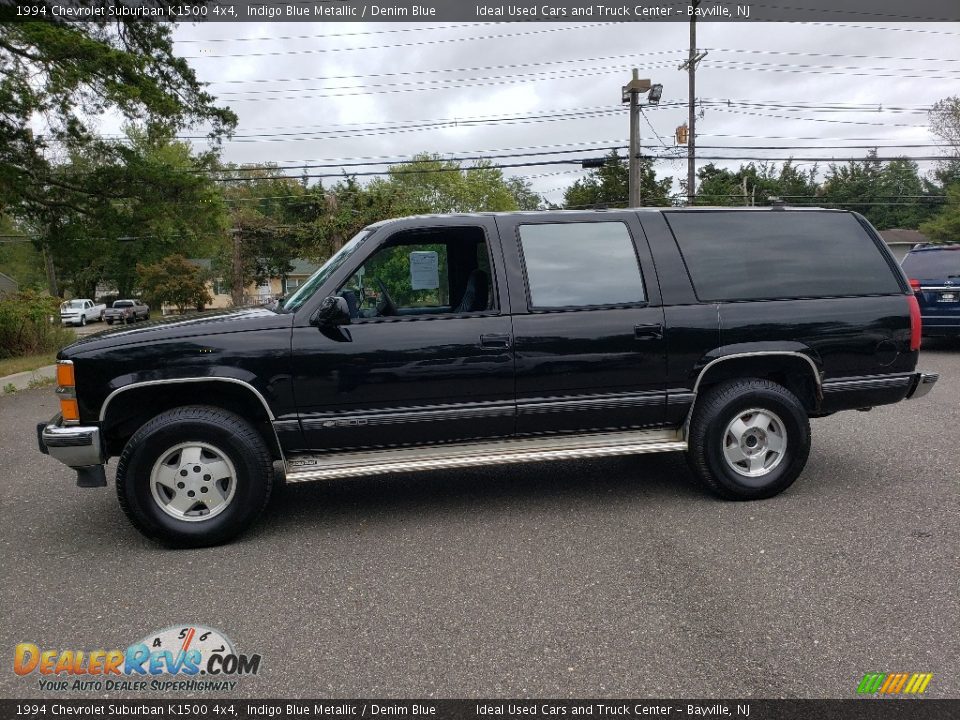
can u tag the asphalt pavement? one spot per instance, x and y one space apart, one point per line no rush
603 578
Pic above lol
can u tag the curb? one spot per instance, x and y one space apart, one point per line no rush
21 380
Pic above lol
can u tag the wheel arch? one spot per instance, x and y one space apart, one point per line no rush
794 369
130 406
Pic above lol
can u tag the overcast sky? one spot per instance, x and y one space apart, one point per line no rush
278 81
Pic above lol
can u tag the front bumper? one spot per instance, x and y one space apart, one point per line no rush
76 446
921 384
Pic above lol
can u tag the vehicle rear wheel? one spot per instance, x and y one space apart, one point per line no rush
748 439
194 476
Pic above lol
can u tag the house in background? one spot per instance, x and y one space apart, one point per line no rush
8 286
254 294
900 241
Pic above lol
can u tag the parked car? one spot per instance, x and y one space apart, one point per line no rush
934 273
454 341
127 311
80 311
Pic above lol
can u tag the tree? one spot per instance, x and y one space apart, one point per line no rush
607 186
430 184
173 280
271 221
945 123
71 73
946 225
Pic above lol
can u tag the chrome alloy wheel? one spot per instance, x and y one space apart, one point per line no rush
193 481
754 442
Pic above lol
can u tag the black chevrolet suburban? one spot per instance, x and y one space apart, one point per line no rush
443 342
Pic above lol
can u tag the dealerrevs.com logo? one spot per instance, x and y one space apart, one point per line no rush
181 658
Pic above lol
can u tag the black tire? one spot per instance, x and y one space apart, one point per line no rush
83 321
233 436
128 320
724 403
109 322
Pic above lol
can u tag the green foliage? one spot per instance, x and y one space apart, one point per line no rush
40 381
945 226
945 122
608 186
9 389
433 185
889 195
72 73
30 324
20 259
175 281
754 184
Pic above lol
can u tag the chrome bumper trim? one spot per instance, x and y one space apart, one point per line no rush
75 446
922 384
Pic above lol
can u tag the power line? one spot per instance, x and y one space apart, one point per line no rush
425 28
440 41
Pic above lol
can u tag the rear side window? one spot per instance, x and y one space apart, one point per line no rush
780 254
938 264
580 264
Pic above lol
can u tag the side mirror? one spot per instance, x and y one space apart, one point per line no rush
333 311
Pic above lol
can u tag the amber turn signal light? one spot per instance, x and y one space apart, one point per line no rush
69 410
65 375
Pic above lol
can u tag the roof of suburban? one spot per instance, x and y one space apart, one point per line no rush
542 213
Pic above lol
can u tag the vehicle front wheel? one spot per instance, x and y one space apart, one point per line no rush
109 322
748 439
194 476
83 320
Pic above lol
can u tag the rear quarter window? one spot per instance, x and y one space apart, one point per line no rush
780 254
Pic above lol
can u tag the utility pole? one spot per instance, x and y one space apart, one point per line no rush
236 288
690 65
631 93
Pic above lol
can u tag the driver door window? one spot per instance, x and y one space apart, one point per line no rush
413 276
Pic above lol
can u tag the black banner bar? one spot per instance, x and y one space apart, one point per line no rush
866 709
875 11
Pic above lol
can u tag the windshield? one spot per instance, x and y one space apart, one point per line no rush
123 303
73 304
306 291
933 264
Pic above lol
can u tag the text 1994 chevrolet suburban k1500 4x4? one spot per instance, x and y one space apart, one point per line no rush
451 341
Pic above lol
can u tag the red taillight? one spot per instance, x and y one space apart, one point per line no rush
915 285
915 322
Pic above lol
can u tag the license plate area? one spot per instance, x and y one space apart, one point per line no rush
948 297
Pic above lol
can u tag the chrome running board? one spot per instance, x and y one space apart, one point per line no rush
306 467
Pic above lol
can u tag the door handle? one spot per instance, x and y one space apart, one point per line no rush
494 342
651 331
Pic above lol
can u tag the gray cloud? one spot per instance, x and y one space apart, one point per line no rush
656 49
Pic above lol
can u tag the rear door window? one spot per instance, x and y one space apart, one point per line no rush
580 264
759 255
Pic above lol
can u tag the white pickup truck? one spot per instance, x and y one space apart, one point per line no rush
80 311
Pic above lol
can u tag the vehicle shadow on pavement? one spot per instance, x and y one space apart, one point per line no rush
608 481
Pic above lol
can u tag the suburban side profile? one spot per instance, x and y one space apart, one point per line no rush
494 338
